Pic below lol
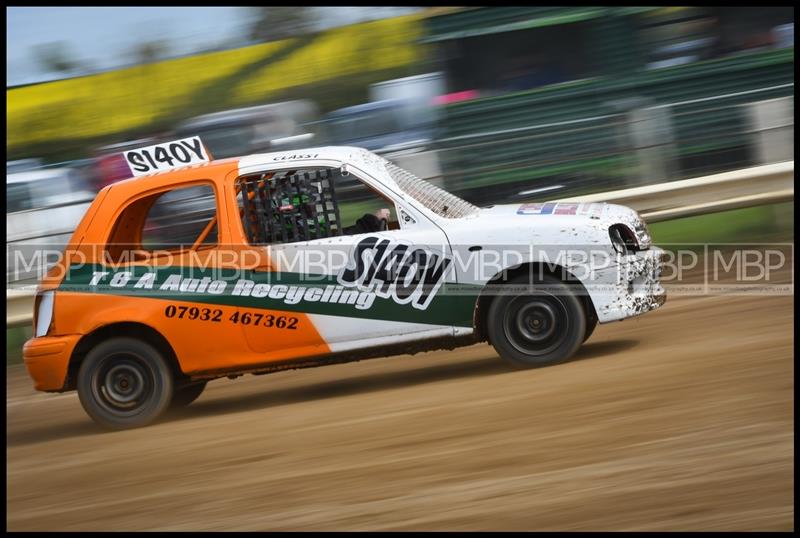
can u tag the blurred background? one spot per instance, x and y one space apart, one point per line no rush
682 419
497 105
490 103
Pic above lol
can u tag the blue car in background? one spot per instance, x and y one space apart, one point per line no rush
382 126
401 130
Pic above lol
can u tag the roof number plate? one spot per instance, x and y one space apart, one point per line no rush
166 156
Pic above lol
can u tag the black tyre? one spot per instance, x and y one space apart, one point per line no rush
543 326
591 324
124 383
185 395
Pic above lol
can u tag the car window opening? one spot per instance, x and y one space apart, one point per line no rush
302 205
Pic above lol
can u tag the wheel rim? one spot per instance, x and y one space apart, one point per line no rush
536 325
123 384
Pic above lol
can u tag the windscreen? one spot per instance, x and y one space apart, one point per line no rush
437 200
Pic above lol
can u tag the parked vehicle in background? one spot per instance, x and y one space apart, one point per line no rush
275 127
379 126
401 114
423 87
21 165
43 208
109 163
389 128
400 123
419 92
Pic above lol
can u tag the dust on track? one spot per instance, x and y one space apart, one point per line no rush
680 419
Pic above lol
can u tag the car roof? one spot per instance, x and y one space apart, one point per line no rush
245 165
324 153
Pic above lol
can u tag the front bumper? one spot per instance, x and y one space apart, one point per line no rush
47 360
630 288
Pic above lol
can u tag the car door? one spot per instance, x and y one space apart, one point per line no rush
365 287
163 264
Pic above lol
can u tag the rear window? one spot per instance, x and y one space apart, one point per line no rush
178 217
174 220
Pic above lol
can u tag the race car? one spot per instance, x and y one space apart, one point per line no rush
290 263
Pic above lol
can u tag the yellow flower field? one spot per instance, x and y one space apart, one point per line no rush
134 97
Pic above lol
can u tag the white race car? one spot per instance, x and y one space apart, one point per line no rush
294 259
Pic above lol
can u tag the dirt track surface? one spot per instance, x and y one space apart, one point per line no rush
680 419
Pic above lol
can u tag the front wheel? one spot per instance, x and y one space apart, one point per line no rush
543 326
124 383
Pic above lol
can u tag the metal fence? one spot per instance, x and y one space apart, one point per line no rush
639 145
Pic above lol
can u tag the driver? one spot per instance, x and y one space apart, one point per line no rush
371 222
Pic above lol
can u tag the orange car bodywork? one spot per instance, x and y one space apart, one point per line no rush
219 346
395 292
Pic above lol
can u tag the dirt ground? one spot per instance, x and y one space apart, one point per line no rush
680 419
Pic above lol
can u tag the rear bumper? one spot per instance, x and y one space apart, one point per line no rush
47 360
630 288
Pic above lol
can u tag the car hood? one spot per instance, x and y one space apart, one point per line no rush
564 213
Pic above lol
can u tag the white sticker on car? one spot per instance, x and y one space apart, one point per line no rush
395 269
166 156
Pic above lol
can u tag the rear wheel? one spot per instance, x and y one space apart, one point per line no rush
124 383
543 326
183 396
